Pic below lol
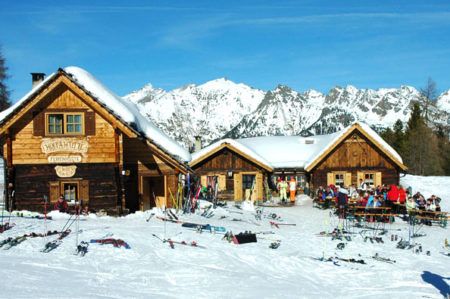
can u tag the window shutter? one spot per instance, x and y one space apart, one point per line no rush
259 187
330 178
54 191
89 123
222 182
203 180
377 179
84 191
39 124
237 186
347 179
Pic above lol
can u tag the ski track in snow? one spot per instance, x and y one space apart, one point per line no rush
151 269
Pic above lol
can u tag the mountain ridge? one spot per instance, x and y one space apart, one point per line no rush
222 108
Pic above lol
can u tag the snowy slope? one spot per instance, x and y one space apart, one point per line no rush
221 108
151 269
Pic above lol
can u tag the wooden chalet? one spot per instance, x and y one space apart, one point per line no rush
357 153
240 172
342 158
71 135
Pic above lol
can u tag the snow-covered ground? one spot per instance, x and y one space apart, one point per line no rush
151 269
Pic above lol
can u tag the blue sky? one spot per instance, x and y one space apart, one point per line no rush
302 44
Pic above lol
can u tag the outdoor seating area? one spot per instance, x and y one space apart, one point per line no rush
381 205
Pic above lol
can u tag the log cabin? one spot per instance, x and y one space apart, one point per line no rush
343 158
72 136
241 173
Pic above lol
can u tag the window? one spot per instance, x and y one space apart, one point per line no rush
301 181
70 190
369 179
339 179
65 124
247 181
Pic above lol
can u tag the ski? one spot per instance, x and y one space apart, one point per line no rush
172 242
204 227
115 242
277 224
55 243
383 259
6 226
14 242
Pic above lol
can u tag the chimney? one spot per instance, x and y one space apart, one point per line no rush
198 143
37 78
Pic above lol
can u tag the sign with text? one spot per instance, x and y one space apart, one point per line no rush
72 145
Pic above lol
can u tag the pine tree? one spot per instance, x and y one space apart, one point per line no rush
4 92
428 95
421 151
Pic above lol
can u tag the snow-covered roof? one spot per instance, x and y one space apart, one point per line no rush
368 130
292 151
123 109
234 143
287 151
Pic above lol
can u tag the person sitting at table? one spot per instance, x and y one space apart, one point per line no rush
430 206
328 194
370 199
420 202
437 202
354 193
363 200
375 202
379 190
401 195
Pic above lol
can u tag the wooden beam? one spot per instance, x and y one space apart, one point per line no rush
9 162
343 137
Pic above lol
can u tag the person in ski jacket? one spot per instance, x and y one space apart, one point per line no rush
342 201
61 205
393 194
283 186
401 195
410 204
292 188
328 193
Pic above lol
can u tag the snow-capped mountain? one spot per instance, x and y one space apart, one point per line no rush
222 108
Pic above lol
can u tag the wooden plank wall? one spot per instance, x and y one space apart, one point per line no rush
138 158
223 161
355 155
32 183
27 147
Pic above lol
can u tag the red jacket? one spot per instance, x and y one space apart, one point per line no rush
402 195
61 206
393 193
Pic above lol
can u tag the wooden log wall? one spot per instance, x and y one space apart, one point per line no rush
32 183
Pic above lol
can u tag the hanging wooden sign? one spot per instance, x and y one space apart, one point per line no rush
65 171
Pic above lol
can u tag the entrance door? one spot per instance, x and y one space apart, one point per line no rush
249 187
153 192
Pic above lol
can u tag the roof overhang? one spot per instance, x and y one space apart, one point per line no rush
344 136
231 148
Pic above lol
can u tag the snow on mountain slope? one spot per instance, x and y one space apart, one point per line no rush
209 110
222 108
